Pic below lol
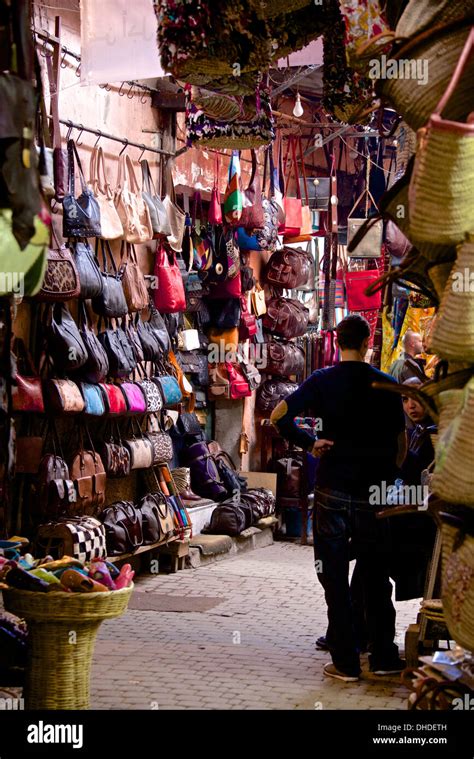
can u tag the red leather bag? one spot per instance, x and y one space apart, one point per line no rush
248 322
27 392
293 206
357 283
252 212
239 387
114 398
169 296
229 288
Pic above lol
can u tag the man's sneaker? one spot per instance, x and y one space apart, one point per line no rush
321 643
390 668
331 671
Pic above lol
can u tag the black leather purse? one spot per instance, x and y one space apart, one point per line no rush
81 216
111 303
65 343
88 269
149 342
96 368
158 326
119 351
225 314
134 339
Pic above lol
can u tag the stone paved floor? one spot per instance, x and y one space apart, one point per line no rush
254 650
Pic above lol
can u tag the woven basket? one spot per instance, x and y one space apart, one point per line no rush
453 334
216 106
424 14
458 584
271 8
439 50
62 628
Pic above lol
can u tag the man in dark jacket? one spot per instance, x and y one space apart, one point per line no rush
363 440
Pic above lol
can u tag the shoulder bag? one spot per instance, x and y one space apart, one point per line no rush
118 349
115 456
110 224
81 216
283 359
271 392
65 343
205 480
133 281
130 205
252 210
63 396
169 296
61 278
88 475
131 330
27 391
90 278
123 528
111 302
176 216
135 397
114 399
140 449
289 268
238 385
286 317
292 206
370 246
93 399
96 368
158 216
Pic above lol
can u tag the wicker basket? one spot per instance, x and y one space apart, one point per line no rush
62 629
458 584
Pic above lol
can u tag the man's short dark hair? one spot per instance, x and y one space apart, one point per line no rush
352 331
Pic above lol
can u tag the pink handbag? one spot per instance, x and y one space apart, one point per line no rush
357 283
169 297
134 397
239 387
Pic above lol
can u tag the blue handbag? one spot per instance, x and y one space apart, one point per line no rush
93 399
170 389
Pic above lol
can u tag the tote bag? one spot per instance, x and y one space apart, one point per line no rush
169 297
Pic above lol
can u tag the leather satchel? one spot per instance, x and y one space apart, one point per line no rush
111 302
156 208
205 480
65 343
289 268
115 457
96 368
93 399
63 397
238 385
27 391
271 392
286 317
114 399
133 281
283 359
151 527
119 352
111 226
61 278
130 205
248 322
90 278
88 474
135 397
252 212
81 216
123 528
141 452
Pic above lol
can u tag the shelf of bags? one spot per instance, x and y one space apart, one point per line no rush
142 549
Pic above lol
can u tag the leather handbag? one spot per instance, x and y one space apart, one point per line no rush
283 359
306 229
119 351
91 281
205 480
27 391
292 206
162 445
131 207
357 283
176 216
81 216
251 374
227 519
150 346
56 491
115 456
93 399
131 330
140 449
159 328
289 268
65 343
252 209
63 396
258 300
195 364
111 302
61 278
188 424
219 383
229 288
110 224
225 314
286 317
88 474
133 281
188 340
271 392
170 389
135 397
153 395
248 322
123 528
158 216
169 296
238 385
289 472
148 507
114 399
82 538
266 238
96 368
370 246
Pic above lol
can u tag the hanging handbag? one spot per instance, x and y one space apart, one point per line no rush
133 281
123 528
114 399
118 349
248 322
205 480
141 450
159 328
115 457
169 296
446 184
131 208
258 300
131 330
271 392
65 343
188 340
158 216
93 399
61 278
251 374
283 359
370 246
238 385
110 224
88 474
111 302
175 215
96 368
62 396
153 395
233 197
306 229
90 279
134 397
290 268
27 391
81 216
357 283
148 507
161 442
286 317
292 206
170 389
151 347
252 209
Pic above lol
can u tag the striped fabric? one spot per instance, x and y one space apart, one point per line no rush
233 198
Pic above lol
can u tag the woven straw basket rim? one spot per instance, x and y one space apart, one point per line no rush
57 606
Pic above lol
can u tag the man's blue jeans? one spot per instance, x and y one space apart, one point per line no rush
346 528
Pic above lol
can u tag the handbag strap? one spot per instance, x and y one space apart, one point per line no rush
169 184
457 73
303 170
104 245
365 193
132 178
73 156
147 181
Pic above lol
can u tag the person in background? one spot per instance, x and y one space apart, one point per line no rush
364 438
408 365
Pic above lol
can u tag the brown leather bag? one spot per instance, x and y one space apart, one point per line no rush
289 477
286 317
133 281
88 474
61 278
283 359
289 268
123 527
252 212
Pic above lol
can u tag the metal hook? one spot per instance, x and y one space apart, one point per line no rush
69 132
79 135
143 99
125 146
130 91
98 138
120 90
78 70
63 63
143 147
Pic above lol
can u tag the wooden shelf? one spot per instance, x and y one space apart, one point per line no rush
142 549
